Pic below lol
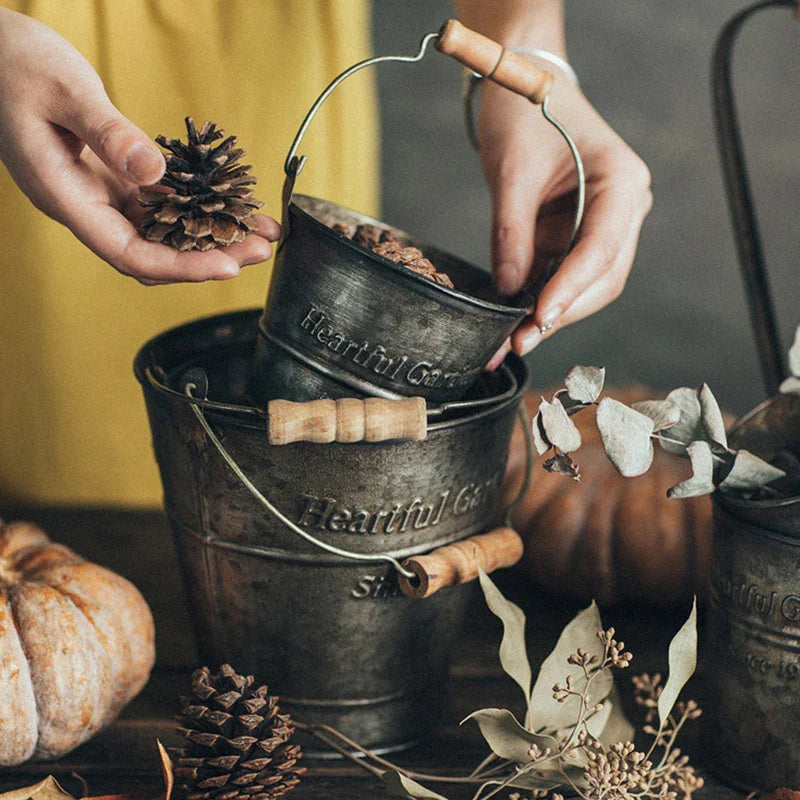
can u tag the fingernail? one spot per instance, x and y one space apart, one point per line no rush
549 318
507 278
144 164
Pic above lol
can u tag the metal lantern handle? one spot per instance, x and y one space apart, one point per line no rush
482 56
740 200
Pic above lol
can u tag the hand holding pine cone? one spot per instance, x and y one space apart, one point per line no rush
205 198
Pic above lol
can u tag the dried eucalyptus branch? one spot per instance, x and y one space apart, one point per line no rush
575 737
691 417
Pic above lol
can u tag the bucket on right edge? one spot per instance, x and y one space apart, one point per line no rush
752 648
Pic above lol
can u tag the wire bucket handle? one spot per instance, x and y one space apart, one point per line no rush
740 200
485 58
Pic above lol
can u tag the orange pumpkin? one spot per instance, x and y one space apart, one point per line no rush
607 537
76 644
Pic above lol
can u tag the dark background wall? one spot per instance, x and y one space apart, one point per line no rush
645 65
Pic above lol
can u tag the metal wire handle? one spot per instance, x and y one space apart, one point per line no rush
294 163
195 405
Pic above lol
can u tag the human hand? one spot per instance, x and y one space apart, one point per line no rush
81 162
531 176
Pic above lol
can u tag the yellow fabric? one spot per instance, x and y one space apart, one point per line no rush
73 427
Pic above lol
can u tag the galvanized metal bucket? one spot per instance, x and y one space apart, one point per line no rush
333 636
752 651
751 654
343 321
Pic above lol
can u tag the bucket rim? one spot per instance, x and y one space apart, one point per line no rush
406 275
245 416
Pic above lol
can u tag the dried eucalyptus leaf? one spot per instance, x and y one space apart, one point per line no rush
584 384
559 429
664 413
47 789
563 464
689 427
597 721
711 417
539 442
618 727
682 664
749 472
790 386
702 480
547 715
507 738
794 354
513 654
625 434
402 786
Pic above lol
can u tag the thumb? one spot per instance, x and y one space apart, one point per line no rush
117 142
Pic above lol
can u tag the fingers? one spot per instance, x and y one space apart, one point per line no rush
121 146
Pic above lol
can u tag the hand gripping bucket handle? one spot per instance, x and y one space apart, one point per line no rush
375 419
485 58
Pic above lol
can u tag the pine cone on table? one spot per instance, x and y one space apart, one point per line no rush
237 743
205 198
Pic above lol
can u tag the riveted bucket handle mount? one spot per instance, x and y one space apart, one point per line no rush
484 57
344 420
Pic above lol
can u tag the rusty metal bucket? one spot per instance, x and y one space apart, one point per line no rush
752 648
333 636
343 321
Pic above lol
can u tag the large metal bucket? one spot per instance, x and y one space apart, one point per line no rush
752 652
335 638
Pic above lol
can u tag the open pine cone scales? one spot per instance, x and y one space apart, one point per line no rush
237 742
205 198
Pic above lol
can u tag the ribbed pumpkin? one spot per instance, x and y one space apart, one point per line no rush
76 644
607 537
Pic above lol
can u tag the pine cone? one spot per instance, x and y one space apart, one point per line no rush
237 742
210 199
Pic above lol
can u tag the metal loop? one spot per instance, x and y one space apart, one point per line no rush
406 573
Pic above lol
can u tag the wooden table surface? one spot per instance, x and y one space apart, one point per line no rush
124 757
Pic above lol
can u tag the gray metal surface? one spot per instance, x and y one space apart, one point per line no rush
340 643
751 651
341 321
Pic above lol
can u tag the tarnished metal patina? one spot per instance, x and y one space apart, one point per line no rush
342 321
334 638
752 648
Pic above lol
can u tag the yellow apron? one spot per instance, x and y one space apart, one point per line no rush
73 428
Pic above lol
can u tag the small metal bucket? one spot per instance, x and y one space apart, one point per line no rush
343 321
333 636
752 649
752 652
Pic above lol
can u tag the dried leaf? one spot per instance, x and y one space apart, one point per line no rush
402 786
618 727
48 789
794 354
625 434
790 386
547 715
597 721
664 413
782 794
702 480
682 664
558 428
507 738
749 472
584 384
563 464
539 442
513 653
711 417
688 428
